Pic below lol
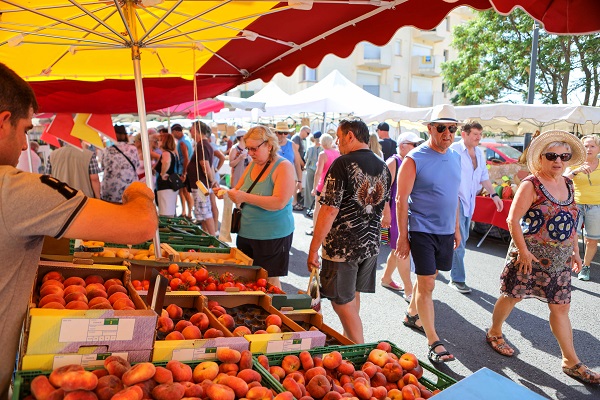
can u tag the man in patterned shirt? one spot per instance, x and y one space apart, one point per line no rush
356 189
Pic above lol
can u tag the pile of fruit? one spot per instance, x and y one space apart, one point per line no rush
247 319
382 376
177 324
199 279
232 378
76 293
197 258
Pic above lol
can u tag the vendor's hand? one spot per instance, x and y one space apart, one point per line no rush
313 260
457 238
402 247
237 196
137 190
524 260
498 202
220 193
577 263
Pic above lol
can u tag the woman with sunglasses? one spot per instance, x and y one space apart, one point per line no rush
586 179
544 248
267 223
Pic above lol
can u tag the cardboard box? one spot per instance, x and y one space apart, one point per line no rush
93 359
234 256
51 331
199 349
293 336
310 319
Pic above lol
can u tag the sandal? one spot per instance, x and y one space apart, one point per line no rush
411 322
501 347
437 357
298 207
407 297
585 376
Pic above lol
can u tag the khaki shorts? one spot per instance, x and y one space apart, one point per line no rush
341 280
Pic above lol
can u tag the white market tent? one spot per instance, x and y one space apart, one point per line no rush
271 94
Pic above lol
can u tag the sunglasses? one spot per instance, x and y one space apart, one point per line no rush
281 133
554 156
255 149
442 128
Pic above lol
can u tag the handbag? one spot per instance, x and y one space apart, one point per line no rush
236 214
175 182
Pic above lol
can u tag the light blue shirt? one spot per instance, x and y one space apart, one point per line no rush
470 182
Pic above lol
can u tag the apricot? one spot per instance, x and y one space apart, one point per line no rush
53 275
108 386
41 387
168 391
74 281
51 298
181 372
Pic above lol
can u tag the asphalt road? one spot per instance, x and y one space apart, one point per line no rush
461 320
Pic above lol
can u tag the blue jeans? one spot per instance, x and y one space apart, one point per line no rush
457 274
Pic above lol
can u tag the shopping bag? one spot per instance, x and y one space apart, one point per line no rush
314 291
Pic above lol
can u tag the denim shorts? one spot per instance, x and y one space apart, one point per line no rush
341 280
589 217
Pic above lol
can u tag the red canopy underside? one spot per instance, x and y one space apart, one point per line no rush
260 57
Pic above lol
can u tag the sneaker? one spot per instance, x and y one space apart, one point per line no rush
460 287
584 274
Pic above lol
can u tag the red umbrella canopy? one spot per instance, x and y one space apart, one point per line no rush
280 38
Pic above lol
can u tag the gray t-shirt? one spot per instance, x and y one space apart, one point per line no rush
31 206
300 142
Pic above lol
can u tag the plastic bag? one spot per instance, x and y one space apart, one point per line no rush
314 290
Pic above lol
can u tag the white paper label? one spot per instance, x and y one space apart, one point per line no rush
276 346
205 353
96 330
86 360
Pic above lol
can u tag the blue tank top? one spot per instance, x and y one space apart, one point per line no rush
433 201
258 223
287 151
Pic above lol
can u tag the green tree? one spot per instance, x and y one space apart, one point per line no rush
493 61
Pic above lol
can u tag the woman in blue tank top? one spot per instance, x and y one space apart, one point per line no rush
267 223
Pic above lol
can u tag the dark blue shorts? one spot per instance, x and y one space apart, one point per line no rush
273 255
431 252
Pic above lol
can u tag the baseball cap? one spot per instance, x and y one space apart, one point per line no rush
409 137
177 127
317 134
383 126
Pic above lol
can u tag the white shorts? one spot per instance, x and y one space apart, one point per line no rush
167 202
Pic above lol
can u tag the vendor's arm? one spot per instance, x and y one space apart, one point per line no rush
406 180
487 185
133 222
523 200
323 225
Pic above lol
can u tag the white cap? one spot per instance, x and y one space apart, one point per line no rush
409 137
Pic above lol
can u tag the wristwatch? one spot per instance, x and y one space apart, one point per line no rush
574 173
494 195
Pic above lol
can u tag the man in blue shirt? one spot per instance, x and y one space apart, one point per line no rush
185 149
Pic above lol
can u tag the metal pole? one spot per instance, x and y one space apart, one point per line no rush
29 155
533 64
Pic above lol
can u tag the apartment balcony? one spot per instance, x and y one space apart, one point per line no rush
427 65
374 57
434 35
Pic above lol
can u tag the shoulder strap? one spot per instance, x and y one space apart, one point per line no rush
127 158
259 175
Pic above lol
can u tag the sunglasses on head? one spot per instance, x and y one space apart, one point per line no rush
442 128
554 156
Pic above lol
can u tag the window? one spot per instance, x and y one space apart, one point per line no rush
398 48
371 52
309 74
446 55
373 89
448 24
396 84
244 94
443 88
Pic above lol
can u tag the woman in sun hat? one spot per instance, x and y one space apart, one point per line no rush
544 248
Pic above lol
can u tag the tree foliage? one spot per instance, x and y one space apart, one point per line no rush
494 53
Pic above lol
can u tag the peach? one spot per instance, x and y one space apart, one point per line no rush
333 395
52 282
58 394
343 379
138 373
229 368
425 393
239 386
284 396
181 372
409 379
245 360
218 311
380 392
205 370
113 281
392 371
395 394
74 289
385 346
410 392
100 372
360 374
124 304
391 385
41 387
191 333
297 376
55 275
264 361
408 361
168 391
78 380
318 361
77 305
290 363
249 375
220 392
314 371
52 289
200 320
332 360
225 354
51 298
306 360
363 390
94 279
273 319
392 357
163 375
175 336
55 305
369 369
98 300
101 306
417 371
318 386
292 386
349 388
116 365
92 293
96 286
76 296
147 388
259 393
277 371
74 281
260 332
273 329
378 357
211 304
130 393
115 289
175 312
181 324
116 296
165 324
227 321
80 395
213 333
253 384
108 386
346 367
378 379
193 390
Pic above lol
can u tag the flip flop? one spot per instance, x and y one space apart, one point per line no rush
437 357
392 286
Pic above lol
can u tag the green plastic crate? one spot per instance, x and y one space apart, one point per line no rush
432 379
174 221
191 240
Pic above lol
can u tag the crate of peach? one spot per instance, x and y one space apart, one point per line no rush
376 370
232 375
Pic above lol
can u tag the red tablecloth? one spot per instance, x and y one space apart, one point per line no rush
485 211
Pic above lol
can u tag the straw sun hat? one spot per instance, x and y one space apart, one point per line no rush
538 145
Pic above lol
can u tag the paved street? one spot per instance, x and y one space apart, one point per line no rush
461 320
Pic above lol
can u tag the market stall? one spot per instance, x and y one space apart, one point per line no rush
486 212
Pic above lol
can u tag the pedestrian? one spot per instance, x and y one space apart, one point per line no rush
406 142
59 211
474 174
166 166
388 145
290 151
77 167
544 249
375 146
238 158
120 163
586 180
426 207
312 156
185 149
267 225
348 225
36 162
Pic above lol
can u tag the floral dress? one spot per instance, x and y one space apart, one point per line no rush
548 228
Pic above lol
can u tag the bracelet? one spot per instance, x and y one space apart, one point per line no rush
298 181
494 195
573 173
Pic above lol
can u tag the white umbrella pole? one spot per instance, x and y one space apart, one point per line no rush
29 155
141 104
